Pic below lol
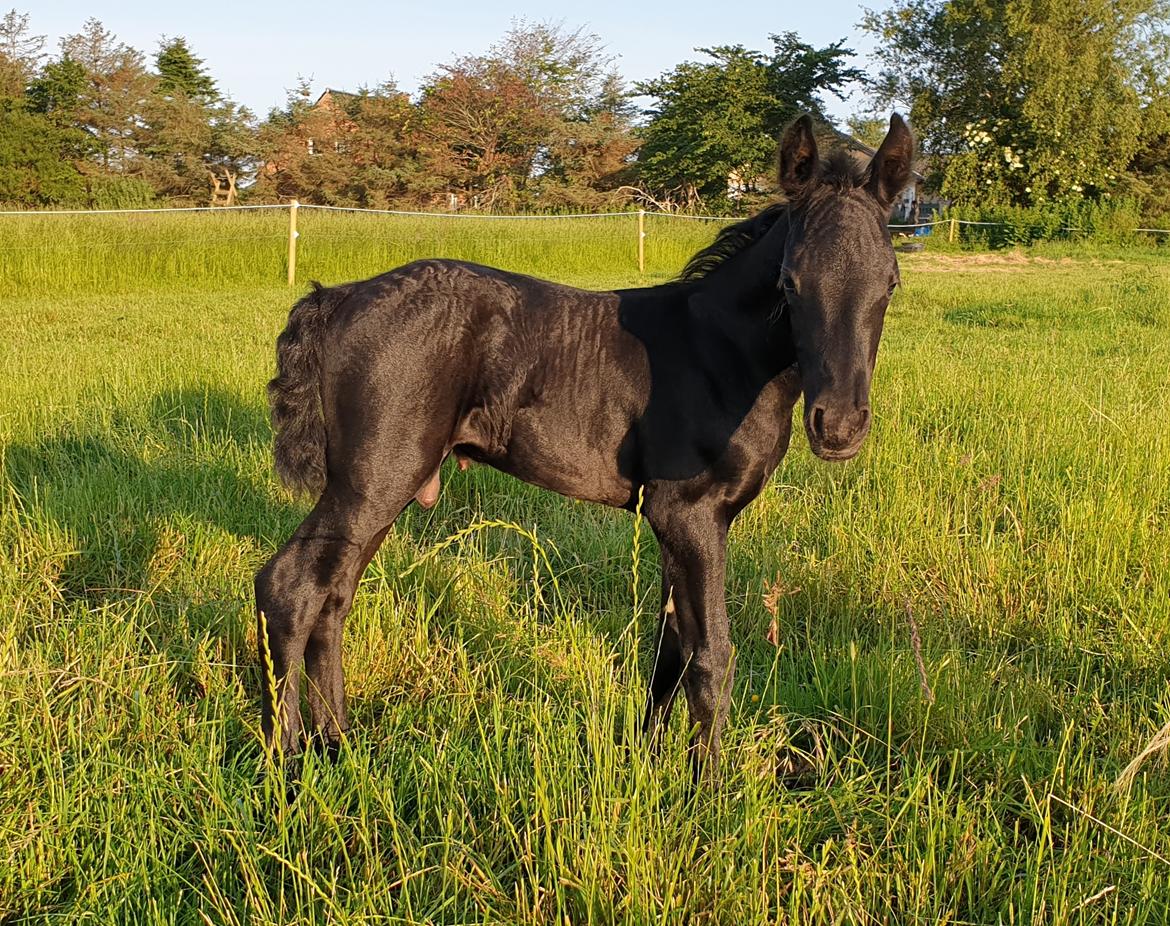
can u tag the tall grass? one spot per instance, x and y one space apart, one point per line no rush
98 253
1014 499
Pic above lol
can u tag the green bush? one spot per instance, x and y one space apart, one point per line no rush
103 192
1005 226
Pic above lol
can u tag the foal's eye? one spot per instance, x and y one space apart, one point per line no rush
788 284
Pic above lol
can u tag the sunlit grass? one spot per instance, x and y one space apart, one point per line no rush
1014 498
132 252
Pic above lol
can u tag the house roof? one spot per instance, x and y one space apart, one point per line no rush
339 95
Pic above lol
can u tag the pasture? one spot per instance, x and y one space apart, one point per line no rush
948 648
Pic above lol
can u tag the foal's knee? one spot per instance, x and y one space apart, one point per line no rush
708 682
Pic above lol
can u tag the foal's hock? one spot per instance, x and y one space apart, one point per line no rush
681 392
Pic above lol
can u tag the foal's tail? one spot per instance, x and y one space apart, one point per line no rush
294 396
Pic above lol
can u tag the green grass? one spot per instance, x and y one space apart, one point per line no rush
1014 498
98 253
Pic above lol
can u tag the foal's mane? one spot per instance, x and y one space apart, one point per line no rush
731 240
838 173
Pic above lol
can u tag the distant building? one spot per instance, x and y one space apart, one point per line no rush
334 124
914 203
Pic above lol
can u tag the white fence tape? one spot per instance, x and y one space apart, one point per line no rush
921 224
468 215
135 211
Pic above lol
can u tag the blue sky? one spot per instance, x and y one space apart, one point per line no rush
256 50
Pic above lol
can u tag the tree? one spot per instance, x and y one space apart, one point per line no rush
20 54
189 133
36 167
590 160
869 130
1149 169
57 91
542 120
567 69
483 128
110 103
304 147
715 122
181 73
1023 101
135 136
382 144
233 151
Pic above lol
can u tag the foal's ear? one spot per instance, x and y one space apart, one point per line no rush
889 171
798 156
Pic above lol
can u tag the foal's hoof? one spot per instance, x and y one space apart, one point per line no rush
793 760
322 748
795 769
281 777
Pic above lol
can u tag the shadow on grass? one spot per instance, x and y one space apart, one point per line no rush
166 511
125 494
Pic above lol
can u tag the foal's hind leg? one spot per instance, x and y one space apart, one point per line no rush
306 590
326 681
323 670
312 575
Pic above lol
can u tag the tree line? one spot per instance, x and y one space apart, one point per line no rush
1016 102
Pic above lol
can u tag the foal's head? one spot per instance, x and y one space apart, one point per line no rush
838 274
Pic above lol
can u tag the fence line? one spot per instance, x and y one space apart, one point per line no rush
468 215
322 208
437 215
485 215
294 235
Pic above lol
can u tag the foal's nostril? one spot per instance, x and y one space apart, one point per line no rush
818 422
865 415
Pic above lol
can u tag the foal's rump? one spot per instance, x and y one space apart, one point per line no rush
380 380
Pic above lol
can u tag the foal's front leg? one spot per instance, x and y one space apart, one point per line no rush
694 556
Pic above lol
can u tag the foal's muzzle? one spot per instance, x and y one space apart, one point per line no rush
834 432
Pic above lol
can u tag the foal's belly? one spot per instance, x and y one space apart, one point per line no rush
572 457
554 409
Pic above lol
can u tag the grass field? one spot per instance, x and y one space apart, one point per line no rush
1013 500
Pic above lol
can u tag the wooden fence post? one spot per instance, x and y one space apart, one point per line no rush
292 242
954 230
641 241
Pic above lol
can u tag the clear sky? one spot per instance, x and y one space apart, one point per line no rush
256 50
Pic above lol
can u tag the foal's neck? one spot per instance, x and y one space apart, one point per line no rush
748 283
743 297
